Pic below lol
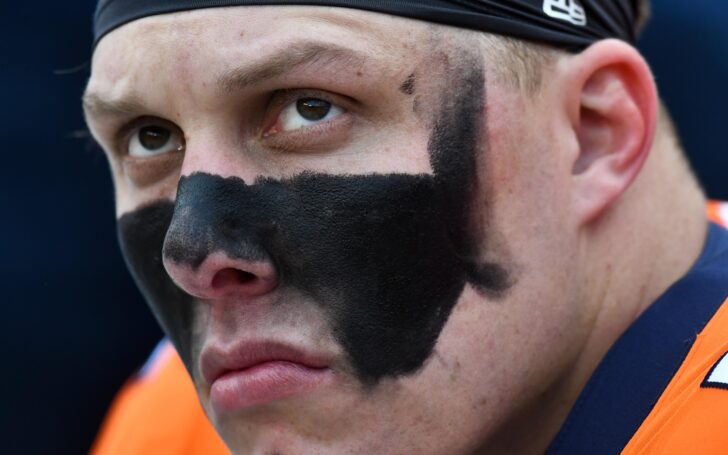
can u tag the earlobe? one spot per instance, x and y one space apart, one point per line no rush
614 120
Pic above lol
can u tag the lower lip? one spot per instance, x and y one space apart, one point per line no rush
264 383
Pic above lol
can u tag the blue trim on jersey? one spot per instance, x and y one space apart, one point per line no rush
635 372
149 365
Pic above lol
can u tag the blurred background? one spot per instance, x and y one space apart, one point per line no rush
74 326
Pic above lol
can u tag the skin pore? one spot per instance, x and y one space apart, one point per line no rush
530 263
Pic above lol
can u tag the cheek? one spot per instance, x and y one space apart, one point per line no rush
528 179
129 197
510 131
141 237
527 174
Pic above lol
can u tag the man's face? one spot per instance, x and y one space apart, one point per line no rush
353 235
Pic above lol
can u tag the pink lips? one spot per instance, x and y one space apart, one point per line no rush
257 373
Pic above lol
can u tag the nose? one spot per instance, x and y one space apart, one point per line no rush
220 276
216 246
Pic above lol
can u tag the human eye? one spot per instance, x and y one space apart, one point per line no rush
304 112
153 139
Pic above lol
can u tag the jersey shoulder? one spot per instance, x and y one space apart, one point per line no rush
691 416
158 412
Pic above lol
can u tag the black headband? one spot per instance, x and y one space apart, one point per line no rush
568 24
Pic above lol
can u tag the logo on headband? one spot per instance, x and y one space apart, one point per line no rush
567 10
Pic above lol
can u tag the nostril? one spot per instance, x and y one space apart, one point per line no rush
220 277
232 277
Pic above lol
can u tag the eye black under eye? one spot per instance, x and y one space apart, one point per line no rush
313 109
154 137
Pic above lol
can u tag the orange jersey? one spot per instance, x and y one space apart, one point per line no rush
158 413
718 212
643 398
692 414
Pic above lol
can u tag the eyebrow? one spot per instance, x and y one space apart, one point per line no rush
96 104
282 62
291 58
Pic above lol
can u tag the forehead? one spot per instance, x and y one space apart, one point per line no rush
202 44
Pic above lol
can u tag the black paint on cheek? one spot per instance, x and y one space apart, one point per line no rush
141 237
385 257
372 251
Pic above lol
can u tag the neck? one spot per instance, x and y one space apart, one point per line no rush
645 243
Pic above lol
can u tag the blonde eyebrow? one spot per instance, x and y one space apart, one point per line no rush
96 104
289 59
275 65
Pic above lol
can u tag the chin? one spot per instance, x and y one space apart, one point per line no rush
320 422
278 437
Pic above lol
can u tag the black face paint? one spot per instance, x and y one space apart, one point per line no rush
408 86
141 235
385 257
